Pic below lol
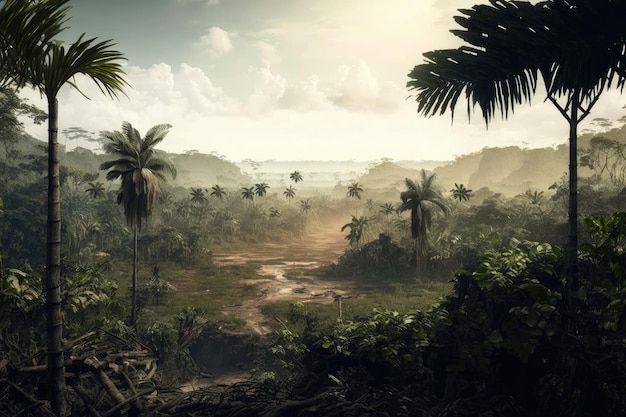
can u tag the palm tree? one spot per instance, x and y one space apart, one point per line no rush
260 189
140 169
459 192
218 191
27 28
274 213
197 196
421 199
289 193
357 228
296 176
578 49
95 190
305 205
247 193
355 190
47 66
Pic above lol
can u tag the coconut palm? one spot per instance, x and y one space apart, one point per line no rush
47 67
296 176
421 198
577 48
140 170
459 192
289 193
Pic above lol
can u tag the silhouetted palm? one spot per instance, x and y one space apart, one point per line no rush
289 193
260 189
95 190
459 192
357 228
218 191
578 48
355 190
198 196
296 176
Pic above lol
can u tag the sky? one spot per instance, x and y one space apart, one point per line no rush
288 80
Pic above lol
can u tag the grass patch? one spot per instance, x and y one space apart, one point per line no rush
400 297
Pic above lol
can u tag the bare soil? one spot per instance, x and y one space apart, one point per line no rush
286 265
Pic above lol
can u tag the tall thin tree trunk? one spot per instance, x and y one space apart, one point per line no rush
572 245
133 313
56 367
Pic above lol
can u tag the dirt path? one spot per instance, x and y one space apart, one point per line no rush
286 266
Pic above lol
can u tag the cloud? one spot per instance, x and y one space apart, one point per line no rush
305 96
268 89
358 89
217 41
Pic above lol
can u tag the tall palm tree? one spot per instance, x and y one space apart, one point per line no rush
578 49
459 192
421 199
289 193
140 170
296 176
47 67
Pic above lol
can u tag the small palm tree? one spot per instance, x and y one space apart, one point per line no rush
260 189
305 205
140 169
218 191
358 227
421 198
247 193
289 193
355 190
95 190
274 213
197 196
296 176
459 192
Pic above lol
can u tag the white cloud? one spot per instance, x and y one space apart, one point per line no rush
217 41
358 89
305 96
268 89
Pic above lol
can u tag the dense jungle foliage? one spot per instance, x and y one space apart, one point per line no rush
509 340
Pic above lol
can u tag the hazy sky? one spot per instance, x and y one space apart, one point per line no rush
289 80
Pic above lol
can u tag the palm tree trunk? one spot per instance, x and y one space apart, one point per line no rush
133 313
572 246
54 318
